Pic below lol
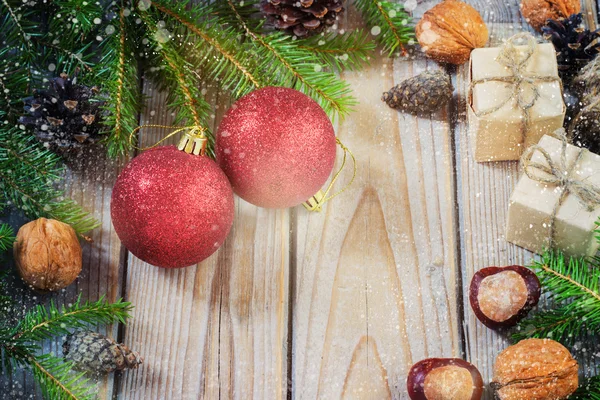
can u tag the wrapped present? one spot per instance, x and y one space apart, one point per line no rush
556 202
515 97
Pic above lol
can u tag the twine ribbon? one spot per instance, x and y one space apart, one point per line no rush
193 141
560 174
516 62
316 202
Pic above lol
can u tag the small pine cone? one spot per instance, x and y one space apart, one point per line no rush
96 353
585 130
65 117
301 17
421 94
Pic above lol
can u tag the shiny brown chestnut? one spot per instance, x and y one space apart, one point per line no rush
501 296
444 379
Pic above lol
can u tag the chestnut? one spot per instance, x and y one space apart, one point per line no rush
501 296
444 379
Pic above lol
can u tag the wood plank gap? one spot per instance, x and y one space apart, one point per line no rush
293 247
453 110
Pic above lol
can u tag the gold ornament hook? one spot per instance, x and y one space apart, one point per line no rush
316 202
193 142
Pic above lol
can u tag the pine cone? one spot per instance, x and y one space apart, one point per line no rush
421 94
574 44
93 352
65 117
301 17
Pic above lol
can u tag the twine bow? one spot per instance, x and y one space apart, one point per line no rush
520 79
559 174
316 202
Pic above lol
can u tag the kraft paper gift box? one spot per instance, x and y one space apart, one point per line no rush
504 134
533 203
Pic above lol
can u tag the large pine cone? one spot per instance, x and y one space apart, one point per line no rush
421 94
301 17
96 353
65 117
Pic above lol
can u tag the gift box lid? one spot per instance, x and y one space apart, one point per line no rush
489 94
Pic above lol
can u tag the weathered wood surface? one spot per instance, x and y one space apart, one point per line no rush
336 304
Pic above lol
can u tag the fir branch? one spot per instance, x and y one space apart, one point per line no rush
218 48
573 285
7 237
288 65
42 323
393 21
57 380
120 72
27 175
350 50
589 389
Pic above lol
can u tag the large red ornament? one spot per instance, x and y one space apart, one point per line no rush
276 146
172 209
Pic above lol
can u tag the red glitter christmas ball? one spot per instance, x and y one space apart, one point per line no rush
277 147
172 209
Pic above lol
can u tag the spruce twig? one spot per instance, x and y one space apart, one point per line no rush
7 237
350 50
589 389
294 67
572 284
391 19
19 344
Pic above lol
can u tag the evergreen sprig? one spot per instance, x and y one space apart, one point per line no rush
589 389
28 175
295 67
119 69
19 344
391 20
7 237
45 322
350 50
572 285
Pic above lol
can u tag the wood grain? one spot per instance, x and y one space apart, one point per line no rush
375 272
219 329
483 191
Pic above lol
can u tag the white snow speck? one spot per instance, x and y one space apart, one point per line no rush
110 29
144 5
97 21
51 67
376 30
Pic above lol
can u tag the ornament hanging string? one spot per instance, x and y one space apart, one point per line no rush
193 142
560 175
519 79
316 202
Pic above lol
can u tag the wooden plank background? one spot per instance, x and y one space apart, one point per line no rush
337 304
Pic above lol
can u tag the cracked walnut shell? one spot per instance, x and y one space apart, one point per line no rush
537 12
48 254
450 30
535 369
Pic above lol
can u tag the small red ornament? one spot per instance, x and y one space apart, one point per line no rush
172 209
277 147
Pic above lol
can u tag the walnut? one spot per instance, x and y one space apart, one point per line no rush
537 12
535 369
48 254
450 30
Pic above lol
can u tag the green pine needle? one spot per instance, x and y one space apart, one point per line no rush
288 65
393 21
7 237
572 285
589 389
19 344
57 379
351 50
42 323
